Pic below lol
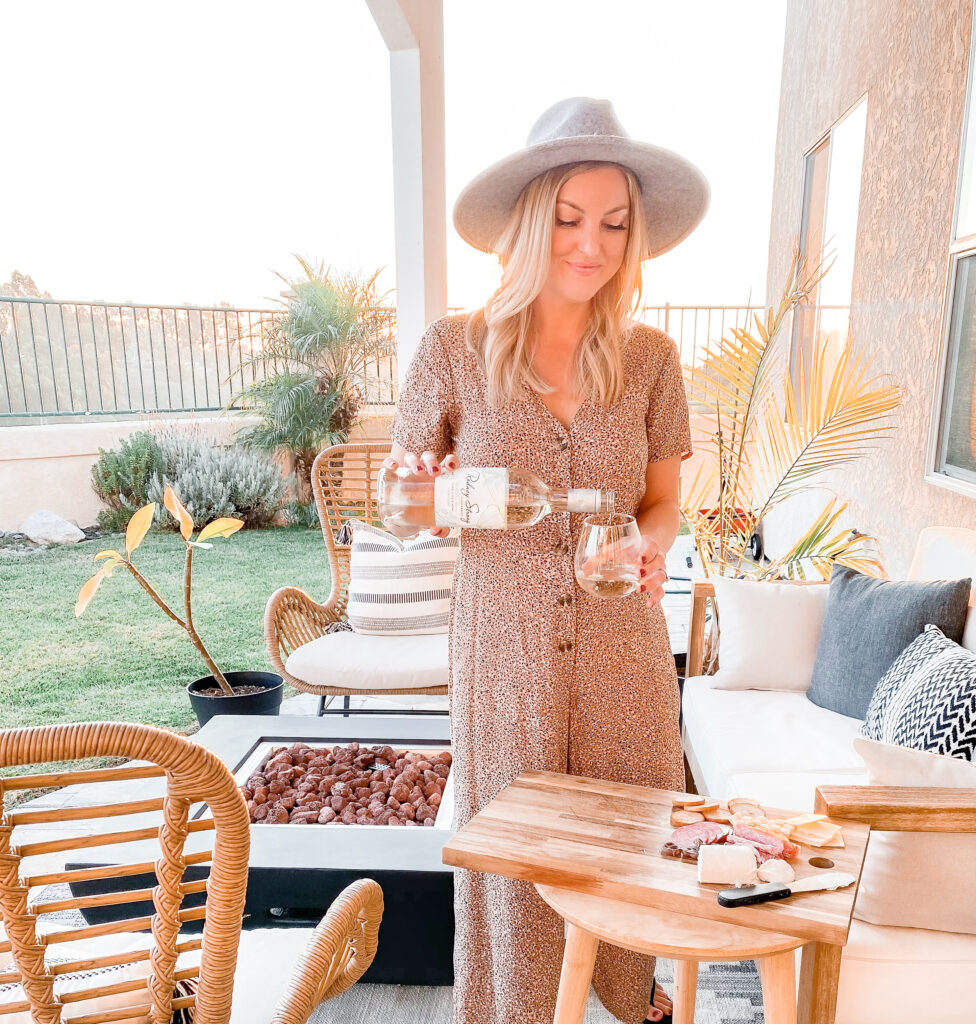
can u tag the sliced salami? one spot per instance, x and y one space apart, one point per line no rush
685 842
767 846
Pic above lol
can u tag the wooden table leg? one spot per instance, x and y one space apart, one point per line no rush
574 981
819 977
685 991
778 976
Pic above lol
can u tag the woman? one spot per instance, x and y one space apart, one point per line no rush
553 376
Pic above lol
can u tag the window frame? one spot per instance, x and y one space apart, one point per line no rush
959 249
813 309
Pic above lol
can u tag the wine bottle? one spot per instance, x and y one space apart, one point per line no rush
476 498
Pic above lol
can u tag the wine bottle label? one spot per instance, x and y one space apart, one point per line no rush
472 498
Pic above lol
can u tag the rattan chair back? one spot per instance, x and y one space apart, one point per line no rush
344 485
186 791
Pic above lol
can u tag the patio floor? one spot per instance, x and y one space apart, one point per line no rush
728 993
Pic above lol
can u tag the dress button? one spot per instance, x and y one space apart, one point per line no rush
561 547
565 600
562 444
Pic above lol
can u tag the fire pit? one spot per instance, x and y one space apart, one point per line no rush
297 867
349 784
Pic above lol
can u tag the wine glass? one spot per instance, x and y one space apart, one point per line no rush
607 556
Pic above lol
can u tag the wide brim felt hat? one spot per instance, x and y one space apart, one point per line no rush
674 192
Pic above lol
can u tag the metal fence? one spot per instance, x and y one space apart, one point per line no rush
693 327
81 359
70 359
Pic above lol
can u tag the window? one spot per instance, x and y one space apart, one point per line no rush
831 196
954 459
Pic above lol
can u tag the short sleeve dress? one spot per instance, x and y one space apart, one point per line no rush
543 675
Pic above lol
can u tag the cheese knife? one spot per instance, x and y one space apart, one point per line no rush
745 895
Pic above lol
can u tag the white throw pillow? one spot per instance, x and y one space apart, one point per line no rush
917 879
399 587
768 634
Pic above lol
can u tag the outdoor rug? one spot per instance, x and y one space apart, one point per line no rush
727 994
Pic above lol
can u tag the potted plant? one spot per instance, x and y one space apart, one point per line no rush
315 364
768 435
231 693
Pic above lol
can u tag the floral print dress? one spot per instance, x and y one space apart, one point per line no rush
544 676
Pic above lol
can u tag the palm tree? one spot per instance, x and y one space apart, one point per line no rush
315 357
769 438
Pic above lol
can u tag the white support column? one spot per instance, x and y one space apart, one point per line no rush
414 33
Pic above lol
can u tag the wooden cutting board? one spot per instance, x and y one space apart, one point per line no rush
605 838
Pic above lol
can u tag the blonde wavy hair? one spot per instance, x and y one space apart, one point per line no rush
501 336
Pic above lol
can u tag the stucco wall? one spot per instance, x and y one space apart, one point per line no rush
49 466
910 60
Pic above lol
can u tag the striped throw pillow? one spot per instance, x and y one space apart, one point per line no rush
399 587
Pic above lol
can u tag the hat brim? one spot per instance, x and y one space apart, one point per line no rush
674 192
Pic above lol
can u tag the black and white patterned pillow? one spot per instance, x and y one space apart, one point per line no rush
927 699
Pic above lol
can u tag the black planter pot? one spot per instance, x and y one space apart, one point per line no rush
266 702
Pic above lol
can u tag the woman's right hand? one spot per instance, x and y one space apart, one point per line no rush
426 462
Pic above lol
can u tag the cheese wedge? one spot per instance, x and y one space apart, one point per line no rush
818 833
805 819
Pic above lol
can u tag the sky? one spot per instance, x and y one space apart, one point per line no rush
183 153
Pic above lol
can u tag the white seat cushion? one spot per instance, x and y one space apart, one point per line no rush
266 961
353 661
901 975
791 791
731 733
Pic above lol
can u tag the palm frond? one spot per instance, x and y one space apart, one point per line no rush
825 423
767 440
312 360
823 545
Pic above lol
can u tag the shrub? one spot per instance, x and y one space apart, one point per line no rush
212 481
121 478
215 482
299 514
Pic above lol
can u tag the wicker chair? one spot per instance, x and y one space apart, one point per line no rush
334 662
139 964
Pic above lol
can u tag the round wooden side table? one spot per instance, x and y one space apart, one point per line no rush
685 940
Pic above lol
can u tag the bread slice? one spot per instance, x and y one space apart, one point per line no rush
687 800
681 817
743 805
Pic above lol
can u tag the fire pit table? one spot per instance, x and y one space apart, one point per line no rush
296 870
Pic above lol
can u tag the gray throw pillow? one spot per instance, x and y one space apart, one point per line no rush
867 624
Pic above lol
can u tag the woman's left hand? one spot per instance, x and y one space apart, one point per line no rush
651 570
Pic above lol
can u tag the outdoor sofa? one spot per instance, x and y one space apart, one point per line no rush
777 746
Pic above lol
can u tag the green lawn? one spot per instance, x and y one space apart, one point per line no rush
124 660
